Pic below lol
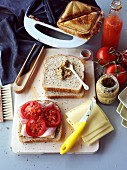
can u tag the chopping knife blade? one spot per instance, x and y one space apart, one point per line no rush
71 140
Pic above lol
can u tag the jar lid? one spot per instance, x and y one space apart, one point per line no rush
108 89
116 5
86 54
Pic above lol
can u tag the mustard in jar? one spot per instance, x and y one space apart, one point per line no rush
107 88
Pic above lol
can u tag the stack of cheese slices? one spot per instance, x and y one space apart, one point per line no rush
98 124
54 86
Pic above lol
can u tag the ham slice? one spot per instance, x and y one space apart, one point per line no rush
48 132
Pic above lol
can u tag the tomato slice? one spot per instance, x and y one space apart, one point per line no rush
30 109
52 115
35 127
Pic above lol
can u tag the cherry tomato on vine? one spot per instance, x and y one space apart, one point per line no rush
106 55
124 59
118 71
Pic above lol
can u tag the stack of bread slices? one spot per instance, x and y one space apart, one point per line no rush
70 87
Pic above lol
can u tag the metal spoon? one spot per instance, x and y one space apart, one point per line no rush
70 67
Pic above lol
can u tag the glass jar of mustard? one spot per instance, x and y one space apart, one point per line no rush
107 88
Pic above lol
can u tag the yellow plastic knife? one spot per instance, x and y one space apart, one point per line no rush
71 140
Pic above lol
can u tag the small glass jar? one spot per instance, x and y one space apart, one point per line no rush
107 88
86 54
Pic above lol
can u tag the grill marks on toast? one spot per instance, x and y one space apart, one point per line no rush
81 19
76 9
82 24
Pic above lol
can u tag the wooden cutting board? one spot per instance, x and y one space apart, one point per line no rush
35 91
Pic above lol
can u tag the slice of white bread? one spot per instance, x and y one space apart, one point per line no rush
51 80
52 138
54 94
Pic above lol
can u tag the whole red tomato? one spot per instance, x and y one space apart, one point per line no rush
106 55
118 71
124 59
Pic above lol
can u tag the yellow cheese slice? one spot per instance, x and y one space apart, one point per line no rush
94 133
96 124
100 135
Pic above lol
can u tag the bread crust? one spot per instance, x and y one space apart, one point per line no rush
61 89
24 139
58 132
65 95
81 24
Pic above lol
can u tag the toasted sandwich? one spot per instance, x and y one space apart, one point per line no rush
81 19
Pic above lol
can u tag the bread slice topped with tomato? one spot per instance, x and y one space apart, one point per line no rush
39 121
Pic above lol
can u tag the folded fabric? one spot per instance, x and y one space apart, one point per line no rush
97 125
15 45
